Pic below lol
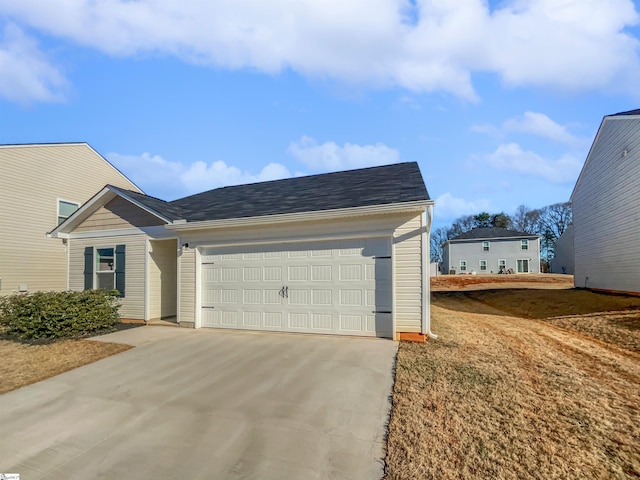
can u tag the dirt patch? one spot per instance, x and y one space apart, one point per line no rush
443 283
519 384
23 364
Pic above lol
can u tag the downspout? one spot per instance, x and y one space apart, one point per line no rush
425 237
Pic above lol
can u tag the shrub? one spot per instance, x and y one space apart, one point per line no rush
59 314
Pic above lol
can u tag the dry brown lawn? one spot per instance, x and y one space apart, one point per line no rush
23 364
520 384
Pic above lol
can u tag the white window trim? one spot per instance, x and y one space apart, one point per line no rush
58 200
480 265
523 243
488 246
465 265
95 265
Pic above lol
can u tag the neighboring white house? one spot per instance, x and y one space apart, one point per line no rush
606 208
40 186
491 250
562 261
339 253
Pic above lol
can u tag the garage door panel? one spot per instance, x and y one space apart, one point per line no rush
335 287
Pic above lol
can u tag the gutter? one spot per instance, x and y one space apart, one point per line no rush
417 206
425 221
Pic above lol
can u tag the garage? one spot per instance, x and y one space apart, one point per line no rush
339 287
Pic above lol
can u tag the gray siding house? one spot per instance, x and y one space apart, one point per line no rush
491 250
606 208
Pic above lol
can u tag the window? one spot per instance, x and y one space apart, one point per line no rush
463 266
65 209
524 244
523 266
483 265
485 246
104 267
502 266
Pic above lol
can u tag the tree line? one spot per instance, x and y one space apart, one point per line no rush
548 222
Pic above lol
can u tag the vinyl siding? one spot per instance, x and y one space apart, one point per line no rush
136 248
32 179
606 210
118 213
187 292
408 249
563 253
162 279
505 249
408 275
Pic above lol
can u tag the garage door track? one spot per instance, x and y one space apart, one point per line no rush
207 404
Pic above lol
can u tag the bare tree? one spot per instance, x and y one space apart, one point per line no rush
438 237
525 220
554 219
462 225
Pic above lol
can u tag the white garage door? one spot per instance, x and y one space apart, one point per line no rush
337 287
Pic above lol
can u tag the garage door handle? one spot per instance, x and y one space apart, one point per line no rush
284 292
381 311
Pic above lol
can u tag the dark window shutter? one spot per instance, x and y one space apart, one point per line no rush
120 268
88 268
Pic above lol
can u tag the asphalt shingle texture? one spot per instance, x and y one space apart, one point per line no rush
491 232
398 183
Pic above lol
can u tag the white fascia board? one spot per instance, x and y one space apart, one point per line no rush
484 239
154 233
418 206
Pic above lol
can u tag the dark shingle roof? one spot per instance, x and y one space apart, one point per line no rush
491 232
397 183
630 112
166 209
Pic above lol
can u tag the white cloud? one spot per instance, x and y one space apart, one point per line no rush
423 46
533 123
541 125
448 207
331 157
170 180
511 157
27 75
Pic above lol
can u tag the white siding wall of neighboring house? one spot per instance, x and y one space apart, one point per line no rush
510 250
563 253
32 180
407 249
606 210
133 306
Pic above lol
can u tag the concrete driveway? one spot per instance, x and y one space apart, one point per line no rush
203 404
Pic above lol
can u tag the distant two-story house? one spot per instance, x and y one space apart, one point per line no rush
606 208
491 250
40 186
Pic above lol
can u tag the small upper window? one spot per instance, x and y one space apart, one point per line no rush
485 246
65 209
524 244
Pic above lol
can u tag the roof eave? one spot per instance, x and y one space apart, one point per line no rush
415 206
100 199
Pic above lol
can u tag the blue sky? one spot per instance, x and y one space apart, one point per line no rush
498 102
